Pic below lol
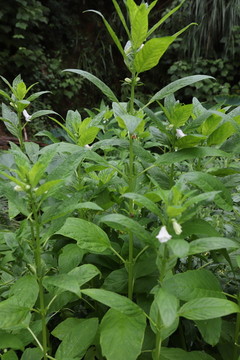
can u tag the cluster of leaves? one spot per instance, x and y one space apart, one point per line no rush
116 246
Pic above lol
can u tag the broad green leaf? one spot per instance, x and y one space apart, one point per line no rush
25 291
116 281
37 171
124 223
208 308
210 330
167 306
97 82
10 341
149 55
131 123
88 136
84 273
157 321
189 141
188 154
198 227
32 353
179 354
139 26
121 336
193 284
114 301
177 85
9 355
144 202
70 257
76 335
222 133
11 120
63 282
13 316
14 197
211 243
89 236
48 187
3 93
179 247
207 182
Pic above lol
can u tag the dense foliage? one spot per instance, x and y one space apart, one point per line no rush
120 239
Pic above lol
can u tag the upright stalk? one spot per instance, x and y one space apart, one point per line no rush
35 226
131 183
20 138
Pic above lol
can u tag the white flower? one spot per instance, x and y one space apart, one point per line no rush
180 133
163 235
26 115
177 227
18 188
88 147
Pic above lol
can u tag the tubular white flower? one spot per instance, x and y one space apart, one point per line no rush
177 227
180 133
26 115
163 235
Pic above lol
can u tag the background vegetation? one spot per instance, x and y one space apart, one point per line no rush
41 38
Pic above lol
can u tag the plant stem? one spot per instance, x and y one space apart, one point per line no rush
39 273
20 138
131 182
158 342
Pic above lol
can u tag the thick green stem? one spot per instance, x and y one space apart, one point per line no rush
131 182
236 337
20 132
39 273
158 342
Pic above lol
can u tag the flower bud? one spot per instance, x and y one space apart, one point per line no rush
18 188
177 227
180 133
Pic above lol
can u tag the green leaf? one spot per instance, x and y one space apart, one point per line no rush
188 154
13 316
131 123
207 308
40 113
210 330
189 141
89 236
121 17
124 223
97 82
76 335
36 95
222 133
10 341
179 247
167 306
177 85
121 336
114 301
88 136
11 121
32 353
198 227
179 354
37 171
48 187
139 26
149 55
207 182
9 355
144 202
63 282
193 284
25 291
116 281
70 257
211 243
84 273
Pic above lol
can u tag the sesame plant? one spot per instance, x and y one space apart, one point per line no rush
118 248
